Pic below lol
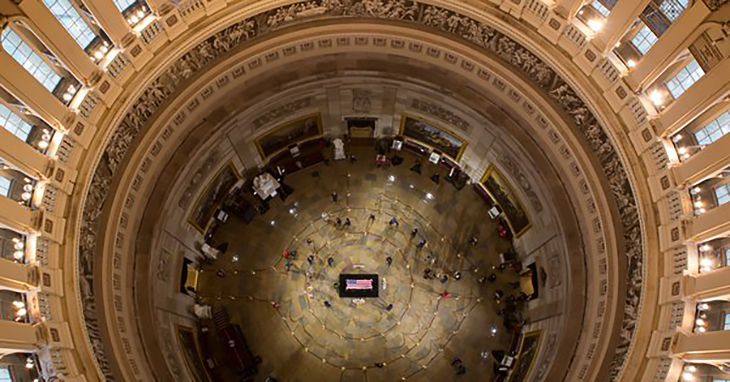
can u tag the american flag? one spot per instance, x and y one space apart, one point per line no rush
359 284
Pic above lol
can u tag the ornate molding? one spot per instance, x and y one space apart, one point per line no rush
411 12
715 4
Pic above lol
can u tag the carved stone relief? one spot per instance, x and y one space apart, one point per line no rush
513 169
549 346
163 266
441 19
440 112
360 101
283 111
555 267
199 175
170 353
715 4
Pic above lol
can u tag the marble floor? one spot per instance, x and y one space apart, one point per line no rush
290 311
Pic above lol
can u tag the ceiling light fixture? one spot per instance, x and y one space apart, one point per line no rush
656 98
595 25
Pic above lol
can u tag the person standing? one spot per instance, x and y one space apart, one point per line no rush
334 196
414 232
394 222
347 223
389 260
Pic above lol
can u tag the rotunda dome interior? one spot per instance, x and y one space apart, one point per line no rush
364 190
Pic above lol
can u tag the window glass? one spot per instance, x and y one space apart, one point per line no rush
714 130
644 40
4 185
673 8
13 123
5 375
29 59
71 20
685 78
124 4
722 193
600 8
726 322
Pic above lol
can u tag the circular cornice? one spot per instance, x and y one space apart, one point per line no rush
468 28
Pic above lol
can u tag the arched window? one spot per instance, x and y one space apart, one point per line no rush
69 17
14 124
29 59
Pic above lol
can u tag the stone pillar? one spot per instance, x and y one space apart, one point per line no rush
708 226
22 85
17 277
16 337
705 164
707 347
59 41
619 21
568 8
668 47
22 155
15 216
708 286
698 98
110 19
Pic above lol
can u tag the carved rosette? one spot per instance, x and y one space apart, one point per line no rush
437 18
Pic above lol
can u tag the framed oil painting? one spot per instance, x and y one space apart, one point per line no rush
501 192
191 353
529 345
213 196
289 133
433 136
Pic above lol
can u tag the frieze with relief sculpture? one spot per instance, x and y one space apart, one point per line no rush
444 20
441 113
282 111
